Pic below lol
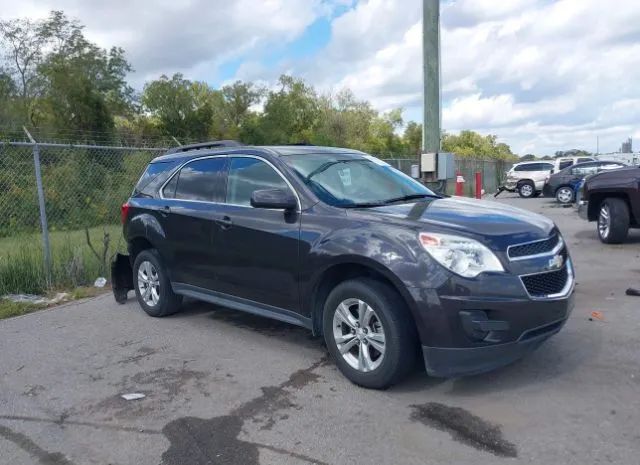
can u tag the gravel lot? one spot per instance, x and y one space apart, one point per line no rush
227 388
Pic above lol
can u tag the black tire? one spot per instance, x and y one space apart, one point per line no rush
400 339
526 189
565 195
168 302
617 222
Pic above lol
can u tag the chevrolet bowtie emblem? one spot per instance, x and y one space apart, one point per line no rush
556 262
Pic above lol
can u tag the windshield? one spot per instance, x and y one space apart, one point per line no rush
352 180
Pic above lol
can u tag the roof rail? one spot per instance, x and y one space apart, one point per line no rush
214 144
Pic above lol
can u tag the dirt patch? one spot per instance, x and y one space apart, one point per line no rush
464 427
159 386
198 441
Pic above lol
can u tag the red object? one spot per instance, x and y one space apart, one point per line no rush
478 185
124 212
459 182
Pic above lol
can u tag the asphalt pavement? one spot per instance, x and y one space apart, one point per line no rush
222 387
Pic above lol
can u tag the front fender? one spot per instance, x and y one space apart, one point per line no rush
392 252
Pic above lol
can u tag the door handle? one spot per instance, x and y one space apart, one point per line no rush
164 211
224 222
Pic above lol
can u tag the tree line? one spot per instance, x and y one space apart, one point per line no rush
56 81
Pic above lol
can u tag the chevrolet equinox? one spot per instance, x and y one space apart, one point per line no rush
341 243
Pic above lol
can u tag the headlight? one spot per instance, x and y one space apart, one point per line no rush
461 255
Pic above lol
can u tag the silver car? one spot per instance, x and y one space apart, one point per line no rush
527 178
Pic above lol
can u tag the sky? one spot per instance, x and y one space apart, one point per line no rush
543 75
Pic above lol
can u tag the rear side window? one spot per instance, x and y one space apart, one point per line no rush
534 167
200 180
250 174
153 177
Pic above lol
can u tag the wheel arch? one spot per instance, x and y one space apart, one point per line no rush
596 199
329 278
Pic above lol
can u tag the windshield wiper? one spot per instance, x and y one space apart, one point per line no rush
410 197
324 167
363 205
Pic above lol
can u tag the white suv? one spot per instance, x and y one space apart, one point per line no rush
527 178
563 162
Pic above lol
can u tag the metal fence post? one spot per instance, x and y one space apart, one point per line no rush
43 210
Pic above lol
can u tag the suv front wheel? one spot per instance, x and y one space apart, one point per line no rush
152 285
369 333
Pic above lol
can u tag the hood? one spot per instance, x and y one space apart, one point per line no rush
487 221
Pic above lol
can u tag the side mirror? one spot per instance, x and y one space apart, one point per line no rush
281 199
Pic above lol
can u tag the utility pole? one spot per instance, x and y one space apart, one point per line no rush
431 75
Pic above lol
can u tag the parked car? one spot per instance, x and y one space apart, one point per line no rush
343 244
612 198
564 162
527 178
561 185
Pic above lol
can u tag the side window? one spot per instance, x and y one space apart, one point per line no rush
169 190
201 180
582 160
250 174
566 163
585 170
545 167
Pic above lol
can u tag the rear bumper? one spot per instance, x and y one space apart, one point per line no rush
547 191
121 277
447 362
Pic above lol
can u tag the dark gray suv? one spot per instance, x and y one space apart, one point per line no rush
339 242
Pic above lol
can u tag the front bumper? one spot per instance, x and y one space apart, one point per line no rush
583 209
547 191
468 329
447 362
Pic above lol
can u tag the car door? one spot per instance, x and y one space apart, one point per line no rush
257 253
188 212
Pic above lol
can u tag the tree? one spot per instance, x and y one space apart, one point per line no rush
528 157
413 137
291 113
183 108
24 41
471 144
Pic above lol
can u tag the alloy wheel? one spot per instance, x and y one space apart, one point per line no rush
149 283
604 221
526 190
565 195
359 335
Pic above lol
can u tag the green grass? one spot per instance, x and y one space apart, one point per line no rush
73 263
9 309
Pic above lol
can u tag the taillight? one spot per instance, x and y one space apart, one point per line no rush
124 212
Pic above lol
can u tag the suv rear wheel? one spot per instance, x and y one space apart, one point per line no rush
613 221
152 285
564 195
526 189
368 333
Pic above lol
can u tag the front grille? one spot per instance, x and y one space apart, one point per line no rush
544 284
533 248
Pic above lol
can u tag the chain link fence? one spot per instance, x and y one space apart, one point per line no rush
83 187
